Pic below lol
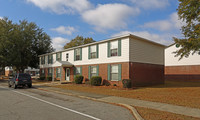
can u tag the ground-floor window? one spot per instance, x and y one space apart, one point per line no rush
114 72
43 72
93 71
49 71
57 72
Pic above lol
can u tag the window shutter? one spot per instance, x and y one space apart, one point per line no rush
119 71
81 70
81 53
97 50
97 70
48 59
89 52
108 72
74 54
60 56
89 72
74 68
51 59
108 49
56 72
56 56
119 47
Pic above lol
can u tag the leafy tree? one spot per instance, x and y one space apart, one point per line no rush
20 44
189 11
78 40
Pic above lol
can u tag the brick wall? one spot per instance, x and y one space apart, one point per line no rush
189 73
143 74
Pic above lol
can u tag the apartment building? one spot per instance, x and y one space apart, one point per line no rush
115 59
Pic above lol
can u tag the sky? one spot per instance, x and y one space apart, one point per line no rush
63 20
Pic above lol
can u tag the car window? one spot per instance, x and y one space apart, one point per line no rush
26 76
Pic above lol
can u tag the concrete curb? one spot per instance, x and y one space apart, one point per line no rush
130 108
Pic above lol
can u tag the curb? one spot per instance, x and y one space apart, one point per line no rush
130 108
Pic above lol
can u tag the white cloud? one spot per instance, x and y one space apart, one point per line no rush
172 23
62 6
165 39
59 42
64 30
109 16
151 4
1 17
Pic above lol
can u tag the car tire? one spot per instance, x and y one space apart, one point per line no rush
15 86
29 85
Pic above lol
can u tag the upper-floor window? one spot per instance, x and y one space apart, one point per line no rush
50 59
78 54
67 56
42 60
93 51
59 56
114 48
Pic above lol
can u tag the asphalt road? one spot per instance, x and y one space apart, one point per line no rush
34 104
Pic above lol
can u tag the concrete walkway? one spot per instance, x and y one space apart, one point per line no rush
194 112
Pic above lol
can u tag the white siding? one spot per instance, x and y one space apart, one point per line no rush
145 52
171 60
102 55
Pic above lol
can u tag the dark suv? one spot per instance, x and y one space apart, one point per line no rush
20 79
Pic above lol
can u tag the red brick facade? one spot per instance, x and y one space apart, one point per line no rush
141 74
189 73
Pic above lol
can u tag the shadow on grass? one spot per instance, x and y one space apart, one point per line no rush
175 84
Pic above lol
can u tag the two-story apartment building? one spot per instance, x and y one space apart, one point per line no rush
115 59
186 69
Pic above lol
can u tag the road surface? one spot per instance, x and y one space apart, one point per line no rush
34 104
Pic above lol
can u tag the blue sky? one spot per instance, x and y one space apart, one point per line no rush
63 20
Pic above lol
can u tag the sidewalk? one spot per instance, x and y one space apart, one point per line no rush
194 112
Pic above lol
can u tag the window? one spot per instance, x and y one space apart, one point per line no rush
78 71
50 71
93 71
67 56
114 48
59 56
114 72
57 72
43 72
50 59
78 54
43 60
93 51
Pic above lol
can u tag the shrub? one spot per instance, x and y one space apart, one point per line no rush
114 84
78 79
96 80
42 77
49 78
126 83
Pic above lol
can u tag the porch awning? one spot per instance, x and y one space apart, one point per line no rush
62 63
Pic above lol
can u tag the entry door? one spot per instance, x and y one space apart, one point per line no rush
67 74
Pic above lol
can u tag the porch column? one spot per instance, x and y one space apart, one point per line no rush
61 73
53 75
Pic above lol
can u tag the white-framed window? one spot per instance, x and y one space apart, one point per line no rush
93 51
50 71
58 72
50 59
78 54
43 60
93 70
78 70
114 48
114 72
58 56
43 72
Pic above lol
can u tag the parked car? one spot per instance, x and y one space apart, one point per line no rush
20 79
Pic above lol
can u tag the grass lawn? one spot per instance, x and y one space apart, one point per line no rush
178 93
151 114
